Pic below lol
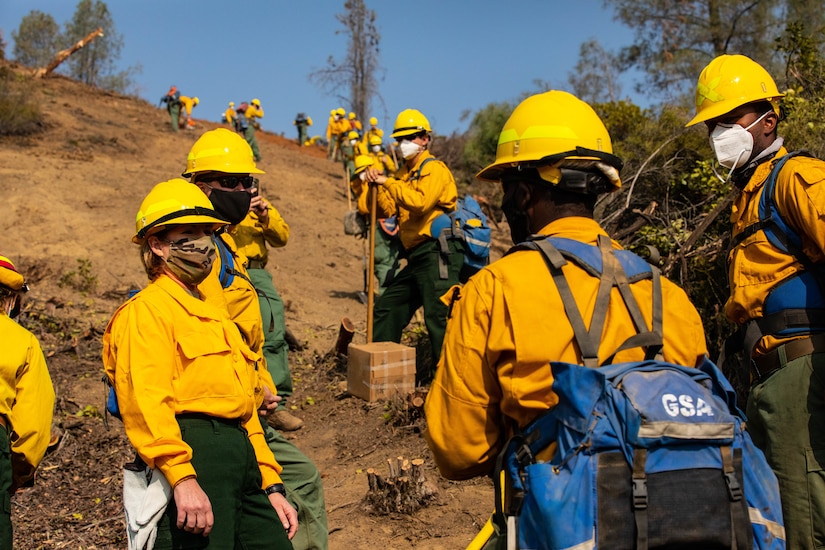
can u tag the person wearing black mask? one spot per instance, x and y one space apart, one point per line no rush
221 164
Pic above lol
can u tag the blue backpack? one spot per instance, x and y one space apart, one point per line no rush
466 223
649 454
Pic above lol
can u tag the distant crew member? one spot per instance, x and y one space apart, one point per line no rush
189 103
302 122
253 112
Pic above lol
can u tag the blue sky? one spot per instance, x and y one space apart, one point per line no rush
441 57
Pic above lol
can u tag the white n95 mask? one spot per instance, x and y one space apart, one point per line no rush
409 149
732 144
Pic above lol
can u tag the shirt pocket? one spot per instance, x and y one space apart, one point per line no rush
757 262
206 366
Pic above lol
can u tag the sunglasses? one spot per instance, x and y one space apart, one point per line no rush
230 182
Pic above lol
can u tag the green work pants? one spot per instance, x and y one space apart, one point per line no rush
228 473
249 135
174 113
304 491
387 253
786 419
275 347
302 133
419 284
5 487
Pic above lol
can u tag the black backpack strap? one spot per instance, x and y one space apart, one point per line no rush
588 348
417 174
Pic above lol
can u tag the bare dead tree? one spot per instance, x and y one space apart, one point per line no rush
358 70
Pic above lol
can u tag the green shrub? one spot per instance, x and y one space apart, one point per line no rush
19 114
82 279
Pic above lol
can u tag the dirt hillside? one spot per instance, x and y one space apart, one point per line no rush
69 200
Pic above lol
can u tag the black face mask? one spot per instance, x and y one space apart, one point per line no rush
517 219
233 206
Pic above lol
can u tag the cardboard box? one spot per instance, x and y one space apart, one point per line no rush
380 370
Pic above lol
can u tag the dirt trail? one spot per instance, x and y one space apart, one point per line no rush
69 201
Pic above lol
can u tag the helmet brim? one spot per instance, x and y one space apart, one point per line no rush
216 223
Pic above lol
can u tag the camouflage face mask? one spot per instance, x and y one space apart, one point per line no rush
191 259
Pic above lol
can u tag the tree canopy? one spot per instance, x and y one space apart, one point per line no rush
95 63
37 39
674 198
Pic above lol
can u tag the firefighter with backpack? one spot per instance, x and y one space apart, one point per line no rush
422 190
520 328
172 101
777 282
220 163
302 122
188 389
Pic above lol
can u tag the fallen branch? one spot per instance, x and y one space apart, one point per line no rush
62 55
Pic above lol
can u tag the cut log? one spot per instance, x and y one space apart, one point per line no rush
345 333
62 55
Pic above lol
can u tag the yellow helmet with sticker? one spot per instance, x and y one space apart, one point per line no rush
730 81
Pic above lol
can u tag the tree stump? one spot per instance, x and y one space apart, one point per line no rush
403 491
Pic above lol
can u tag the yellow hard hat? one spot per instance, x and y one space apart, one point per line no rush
547 128
730 81
410 122
10 277
373 121
362 162
352 135
375 140
332 112
231 103
173 202
256 102
352 116
340 111
221 150
195 101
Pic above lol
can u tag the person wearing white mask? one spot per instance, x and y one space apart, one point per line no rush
382 160
777 282
423 189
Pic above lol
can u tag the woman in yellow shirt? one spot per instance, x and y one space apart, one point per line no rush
188 388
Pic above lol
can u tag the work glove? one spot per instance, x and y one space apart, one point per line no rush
146 493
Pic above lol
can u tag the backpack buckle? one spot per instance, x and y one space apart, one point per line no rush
734 489
639 493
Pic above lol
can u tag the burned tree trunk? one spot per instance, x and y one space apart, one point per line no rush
404 491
